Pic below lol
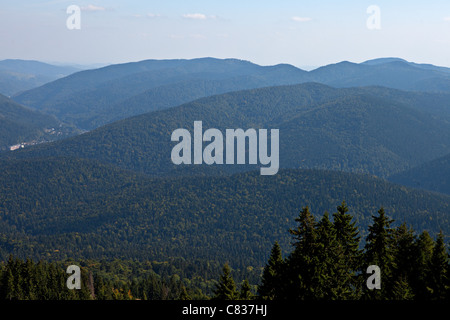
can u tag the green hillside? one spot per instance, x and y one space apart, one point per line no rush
96 97
357 130
66 208
20 124
433 175
87 98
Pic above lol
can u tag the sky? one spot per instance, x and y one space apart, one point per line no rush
305 34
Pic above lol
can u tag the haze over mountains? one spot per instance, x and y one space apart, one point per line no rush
20 75
114 191
21 125
92 98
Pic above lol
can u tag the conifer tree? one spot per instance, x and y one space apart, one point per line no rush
184 294
348 239
405 260
302 262
226 288
329 255
401 290
438 270
378 251
424 247
271 280
10 292
245 293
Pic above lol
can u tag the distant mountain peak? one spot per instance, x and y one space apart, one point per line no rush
384 60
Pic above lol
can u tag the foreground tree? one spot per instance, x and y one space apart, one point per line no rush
378 251
301 277
271 280
438 284
350 258
226 288
405 258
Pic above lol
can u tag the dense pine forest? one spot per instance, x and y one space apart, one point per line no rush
328 260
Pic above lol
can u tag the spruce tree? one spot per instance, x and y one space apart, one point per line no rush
301 263
348 239
245 293
424 248
271 281
378 251
226 288
401 290
438 270
10 291
184 294
405 261
329 257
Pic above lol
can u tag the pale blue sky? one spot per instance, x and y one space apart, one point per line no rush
302 33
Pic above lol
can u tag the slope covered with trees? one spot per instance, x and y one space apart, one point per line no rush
325 261
18 75
357 130
433 175
93 98
20 124
68 208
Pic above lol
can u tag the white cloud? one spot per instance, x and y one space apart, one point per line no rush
446 18
197 36
301 19
195 16
148 15
92 8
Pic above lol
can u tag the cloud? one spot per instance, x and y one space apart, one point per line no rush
195 16
198 16
301 19
148 15
197 36
446 18
93 8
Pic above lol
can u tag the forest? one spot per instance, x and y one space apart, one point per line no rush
327 260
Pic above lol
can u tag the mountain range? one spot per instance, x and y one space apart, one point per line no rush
92 98
368 130
374 134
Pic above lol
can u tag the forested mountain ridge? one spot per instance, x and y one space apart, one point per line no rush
113 193
433 175
90 91
19 75
371 130
61 208
93 98
19 124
